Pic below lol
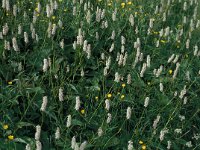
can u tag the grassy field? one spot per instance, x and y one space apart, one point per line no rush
99 75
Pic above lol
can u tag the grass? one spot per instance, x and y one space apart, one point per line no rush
99 75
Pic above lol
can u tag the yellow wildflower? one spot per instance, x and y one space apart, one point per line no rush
141 142
9 82
170 71
129 3
109 95
5 126
122 96
123 5
123 85
82 111
53 17
96 97
10 137
144 147
36 9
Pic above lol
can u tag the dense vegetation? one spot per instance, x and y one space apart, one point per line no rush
100 74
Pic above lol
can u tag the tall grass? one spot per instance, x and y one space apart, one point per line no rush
99 74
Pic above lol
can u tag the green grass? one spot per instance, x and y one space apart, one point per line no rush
88 72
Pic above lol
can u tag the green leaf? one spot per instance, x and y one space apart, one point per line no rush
24 124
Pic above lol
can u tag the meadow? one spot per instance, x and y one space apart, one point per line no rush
99 75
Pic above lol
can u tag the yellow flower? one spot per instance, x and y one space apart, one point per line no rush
170 71
109 4
109 95
36 9
129 3
122 96
123 4
144 147
141 142
96 97
5 126
82 111
10 83
123 85
53 17
10 137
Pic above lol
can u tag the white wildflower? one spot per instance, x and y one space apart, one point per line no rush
61 96
155 123
130 145
169 143
73 142
128 113
176 70
161 87
178 131
109 118
146 102
107 102
129 79
45 65
189 144
77 106
181 117
117 77
171 58
162 134
83 145
143 70
69 120
148 61
38 145
38 132
44 103
57 133
100 132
